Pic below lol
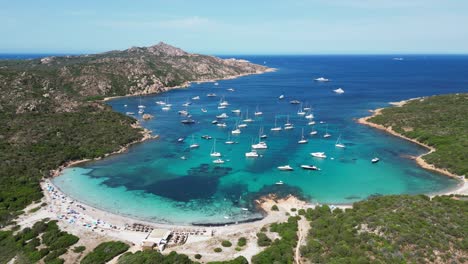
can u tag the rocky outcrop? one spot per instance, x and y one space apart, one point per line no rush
62 83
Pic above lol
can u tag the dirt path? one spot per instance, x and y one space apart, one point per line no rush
303 230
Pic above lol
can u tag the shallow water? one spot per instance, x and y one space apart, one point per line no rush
152 182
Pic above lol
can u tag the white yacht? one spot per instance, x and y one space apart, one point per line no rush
204 110
222 116
309 116
218 161
252 154
242 126
281 97
229 141
285 168
236 111
160 103
214 153
326 135
257 112
313 132
319 155
129 113
339 91
166 108
311 123
287 122
279 183
260 144
236 131
211 95
141 106
141 111
221 107
300 111
183 113
339 144
221 125
309 167
303 140
216 84
247 119
231 89
196 98
375 160
321 79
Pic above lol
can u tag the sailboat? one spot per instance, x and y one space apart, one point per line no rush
260 144
257 112
213 150
262 135
204 110
285 168
309 116
319 155
288 125
301 111
141 106
229 140
247 119
275 128
237 130
252 154
193 144
339 144
326 133
303 140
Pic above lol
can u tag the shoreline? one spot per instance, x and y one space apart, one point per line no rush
461 188
188 83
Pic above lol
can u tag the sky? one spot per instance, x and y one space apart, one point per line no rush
236 27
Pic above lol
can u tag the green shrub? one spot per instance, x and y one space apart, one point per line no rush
217 250
79 249
293 209
105 252
263 240
198 256
226 243
242 241
274 208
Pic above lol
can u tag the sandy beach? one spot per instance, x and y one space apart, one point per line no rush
462 187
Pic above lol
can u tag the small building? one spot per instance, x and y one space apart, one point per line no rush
157 237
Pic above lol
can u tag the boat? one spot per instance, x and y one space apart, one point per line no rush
252 154
141 106
281 97
193 144
309 167
204 110
206 137
229 141
375 160
338 143
287 122
236 131
218 161
289 127
221 125
279 183
311 123
309 116
216 83
223 102
262 135
188 121
125 105
247 119
236 111
180 139
186 104
257 112
303 140
398 59
294 102
141 111
221 107
160 103
231 89
319 155
260 145
211 95
213 152
196 98
242 125
313 132
300 111
285 168
321 79
183 113
244 209
130 113
339 91
276 128
214 122
327 135
166 108
222 116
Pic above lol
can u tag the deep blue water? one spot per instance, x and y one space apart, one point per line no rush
152 182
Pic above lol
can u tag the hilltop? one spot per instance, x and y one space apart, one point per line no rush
60 83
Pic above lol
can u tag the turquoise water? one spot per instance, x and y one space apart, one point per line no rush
152 181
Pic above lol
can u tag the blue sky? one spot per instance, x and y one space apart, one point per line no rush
236 27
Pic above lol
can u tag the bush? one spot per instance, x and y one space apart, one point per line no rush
226 243
274 208
263 240
198 256
79 249
217 250
105 252
242 241
293 209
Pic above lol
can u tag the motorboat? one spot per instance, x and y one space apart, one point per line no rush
206 137
183 113
321 79
130 113
204 110
214 122
216 84
339 91
375 160
319 155
294 102
281 97
141 111
221 125
309 167
236 131
188 121
180 140
211 95
251 154
166 108
196 98
242 126
311 123
309 116
285 168
260 145
236 111
218 161
231 89
222 116
279 183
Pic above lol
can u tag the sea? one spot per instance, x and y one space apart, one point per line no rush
166 181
